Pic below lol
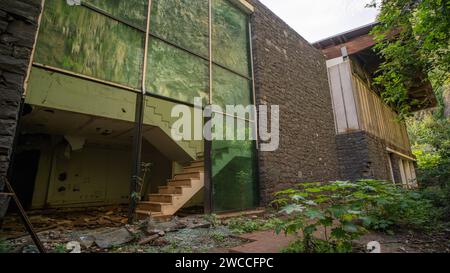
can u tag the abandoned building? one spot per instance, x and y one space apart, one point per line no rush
82 66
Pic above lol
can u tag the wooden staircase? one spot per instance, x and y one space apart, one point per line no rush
179 190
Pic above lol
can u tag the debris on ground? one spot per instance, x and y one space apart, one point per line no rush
106 230
113 238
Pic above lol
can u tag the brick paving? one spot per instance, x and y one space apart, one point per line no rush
263 242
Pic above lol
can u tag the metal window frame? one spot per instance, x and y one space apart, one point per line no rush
142 92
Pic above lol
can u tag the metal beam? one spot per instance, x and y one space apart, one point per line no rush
136 180
208 198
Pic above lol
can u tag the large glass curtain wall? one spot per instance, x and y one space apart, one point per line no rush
104 40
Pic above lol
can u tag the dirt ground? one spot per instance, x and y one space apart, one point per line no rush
407 241
105 230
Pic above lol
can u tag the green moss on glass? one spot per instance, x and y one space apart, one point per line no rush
233 164
230 89
182 22
82 41
131 11
230 36
175 73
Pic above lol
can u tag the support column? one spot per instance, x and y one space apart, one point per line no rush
19 20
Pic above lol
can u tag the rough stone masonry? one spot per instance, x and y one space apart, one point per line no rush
18 28
290 73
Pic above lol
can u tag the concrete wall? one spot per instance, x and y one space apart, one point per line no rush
18 25
98 174
290 73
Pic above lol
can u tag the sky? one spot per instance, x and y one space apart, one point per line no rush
319 19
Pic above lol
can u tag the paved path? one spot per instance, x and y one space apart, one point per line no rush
263 242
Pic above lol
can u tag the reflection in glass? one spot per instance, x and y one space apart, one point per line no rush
230 37
182 22
131 11
83 41
230 89
234 169
176 74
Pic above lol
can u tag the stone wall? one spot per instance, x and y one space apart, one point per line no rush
18 27
362 156
290 73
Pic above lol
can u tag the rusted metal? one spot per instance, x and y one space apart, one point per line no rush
23 215
139 124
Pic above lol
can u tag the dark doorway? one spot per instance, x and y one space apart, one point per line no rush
24 175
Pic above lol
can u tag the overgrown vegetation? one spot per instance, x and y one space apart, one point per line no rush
5 247
343 210
414 41
243 225
430 138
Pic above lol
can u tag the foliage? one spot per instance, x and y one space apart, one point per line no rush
414 41
245 225
212 219
5 247
430 137
345 210
218 236
60 248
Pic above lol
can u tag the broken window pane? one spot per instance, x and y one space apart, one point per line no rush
176 74
182 22
230 89
230 37
131 11
80 40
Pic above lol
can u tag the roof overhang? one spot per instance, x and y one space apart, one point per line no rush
358 43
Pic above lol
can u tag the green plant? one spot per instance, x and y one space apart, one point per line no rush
218 236
59 248
212 219
320 246
242 225
345 210
430 135
412 39
331 207
5 246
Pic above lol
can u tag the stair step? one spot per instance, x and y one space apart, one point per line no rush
163 198
187 175
170 190
180 183
191 169
153 206
198 163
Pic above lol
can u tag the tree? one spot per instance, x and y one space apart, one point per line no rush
413 39
420 47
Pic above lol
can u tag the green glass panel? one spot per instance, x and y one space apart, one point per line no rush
182 22
131 11
230 36
175 73
82 41
230 89
234 173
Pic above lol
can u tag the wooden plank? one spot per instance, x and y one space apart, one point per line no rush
402 171
354 46
407 172
348 97
338 101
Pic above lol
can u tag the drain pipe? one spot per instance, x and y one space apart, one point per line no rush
138 131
